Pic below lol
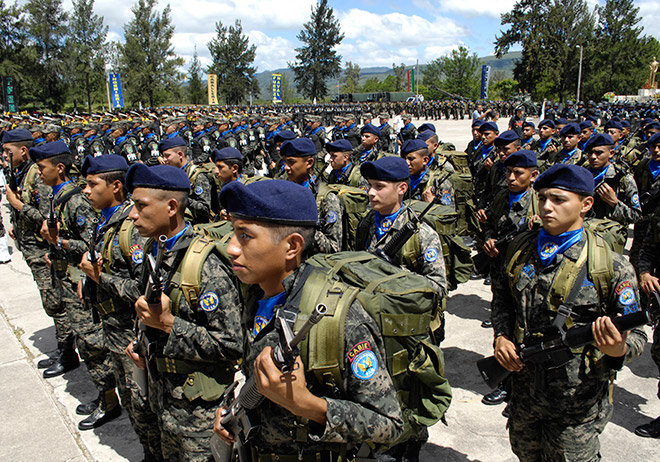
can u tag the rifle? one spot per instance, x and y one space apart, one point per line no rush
551 347
13 185
58 266
482 171
235 415
89 287
482 260
152 293
649 201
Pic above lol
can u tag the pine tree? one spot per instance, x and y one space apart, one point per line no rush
351 78
456 73
148 62
85 51
399 76
233 57
317 61
17 59
195 85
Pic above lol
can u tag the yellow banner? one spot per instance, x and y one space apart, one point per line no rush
212 84
277 88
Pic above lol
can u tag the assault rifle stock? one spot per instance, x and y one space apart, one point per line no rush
554 349
89 286
235 415
13 185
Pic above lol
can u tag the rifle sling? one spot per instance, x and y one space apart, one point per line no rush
564 310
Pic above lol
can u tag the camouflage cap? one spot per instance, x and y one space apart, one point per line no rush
150 124
89 127
77 125
51 128
37 128
222 121
384 115
313 118
349 117
367 115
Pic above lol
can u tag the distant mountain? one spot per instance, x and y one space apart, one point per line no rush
505 65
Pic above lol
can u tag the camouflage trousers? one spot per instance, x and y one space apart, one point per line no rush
179 448
50 296
144 421
89 339
539 431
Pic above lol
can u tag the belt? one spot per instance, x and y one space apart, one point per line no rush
185 367
323 456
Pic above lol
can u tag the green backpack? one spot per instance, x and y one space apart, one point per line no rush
403 304
612 232
461 180
458 260
355 202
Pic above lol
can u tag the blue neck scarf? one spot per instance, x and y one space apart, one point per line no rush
599 173
408 125
515 197
485 152
381 127
544 144
476 146
654 166
365 154
415 180
384 223
171 241
120 140
431 160
184 167
148 136
39 140
549 246
106 214
266 309
567 155
316 130
308 183
172 135
58 187
73 137
338 173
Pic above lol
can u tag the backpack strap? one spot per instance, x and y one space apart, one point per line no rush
600 266
125 232
191 267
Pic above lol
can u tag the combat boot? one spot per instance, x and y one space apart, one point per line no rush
88 408
649 430
107 410
46 363
67 361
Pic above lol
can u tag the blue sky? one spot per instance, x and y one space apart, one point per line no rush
378 33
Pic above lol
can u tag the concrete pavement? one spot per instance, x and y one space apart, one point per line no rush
39 421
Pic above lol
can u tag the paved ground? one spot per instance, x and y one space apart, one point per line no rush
39 423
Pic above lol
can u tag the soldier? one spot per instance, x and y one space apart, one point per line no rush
587 130
77 143
200 199
120 249
506 144
201 144
299 156
38 135
424 184
557 413
408 130
343 171
516 122
316 133
484 157
368 148
528 132
123 144
195 336
387 136
149 153
274 222
546 144
30 206
94 144
569 154
475 142
70 239
351 132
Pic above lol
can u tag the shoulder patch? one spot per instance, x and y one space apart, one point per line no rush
209 301
331 217
430 254
357 349
199 190
137 254
365 365
529 270
445 199
80 220
626 293
635 201
549 249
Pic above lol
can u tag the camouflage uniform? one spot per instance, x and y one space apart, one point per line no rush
76 219
559 157
558 413
430 180
201 192
34 195
628 210
647 186
118 320
207 337
495 182
328 238
350 177
368 413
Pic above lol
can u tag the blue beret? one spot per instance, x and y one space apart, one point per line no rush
386 169
477 123
14 136
599 139
101 164
561 121
425 135
425 127
593 119
412 146
284 135
300 147
370 128
157 177
613 124
655 139
528 124
654 124
226 153
646 120
566 176
274 201
523 158
170 143
47 150
570 129
339 146
547 123
625 124
505 138
586 124
489 126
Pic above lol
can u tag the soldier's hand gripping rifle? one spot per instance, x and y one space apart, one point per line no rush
89 286
13 185
152 293
482 260
235 415
552 348
58 264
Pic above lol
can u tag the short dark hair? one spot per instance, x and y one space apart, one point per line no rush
231 162
117 175
64 159
279 232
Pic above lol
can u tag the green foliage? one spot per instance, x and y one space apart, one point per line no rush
46 29
17 58
232 61
456 73
286 90
351 78
390 84
503 90
372 85
85 52
317 61
399 77
148 62
196 91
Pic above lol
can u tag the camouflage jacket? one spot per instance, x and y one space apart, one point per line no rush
628 210
503 219
34 195
328 238
77 220
201 190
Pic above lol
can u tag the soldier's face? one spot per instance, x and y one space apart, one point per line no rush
655 151
650 132
13 152
489 136
417 162
615 133
599 156
369 140
527 131
298 168
339 160
569 142
49 173
585 134
386 196
99 192
224 172
519 179
256 258
476 134
174 158
561 210
152 211
170 129
545 132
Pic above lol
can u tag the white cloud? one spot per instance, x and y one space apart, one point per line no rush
272 52
649 11
477 7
